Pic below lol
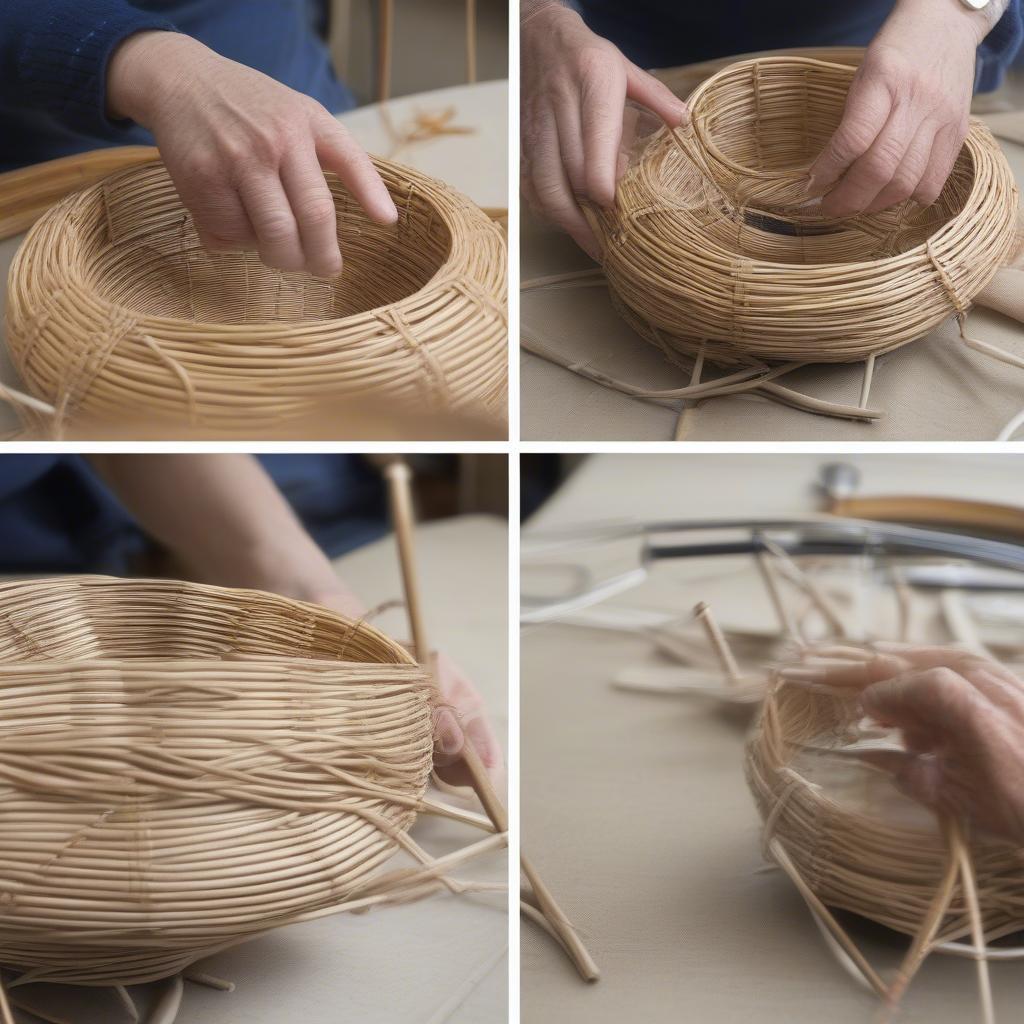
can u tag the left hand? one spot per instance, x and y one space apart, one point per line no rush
461 716
907 111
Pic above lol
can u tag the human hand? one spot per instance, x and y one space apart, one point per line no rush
246 153
574 90
906 114
962 720
462 718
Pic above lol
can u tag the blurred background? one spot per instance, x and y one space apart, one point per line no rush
429 40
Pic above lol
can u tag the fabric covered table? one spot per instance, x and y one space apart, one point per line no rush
442 960
933 389
634 805
474 163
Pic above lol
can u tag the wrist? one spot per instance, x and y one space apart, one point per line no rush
144 69
534 12
953 14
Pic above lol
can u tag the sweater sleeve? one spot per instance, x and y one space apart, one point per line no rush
54 56
998 49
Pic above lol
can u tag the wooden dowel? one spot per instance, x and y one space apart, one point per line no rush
398 477
471 41
718 643
384 46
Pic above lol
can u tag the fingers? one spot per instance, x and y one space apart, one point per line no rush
277 232
907 177
930 702
220 219
868 105
550 187
602 101
313 208
657 97
873 169
945 149
340 153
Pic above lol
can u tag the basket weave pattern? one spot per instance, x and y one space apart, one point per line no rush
183 767
116 310
712 245
851 853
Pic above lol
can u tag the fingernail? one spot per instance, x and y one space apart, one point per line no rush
801 673
684 115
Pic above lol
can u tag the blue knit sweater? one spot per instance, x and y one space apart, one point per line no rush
54 54
666 33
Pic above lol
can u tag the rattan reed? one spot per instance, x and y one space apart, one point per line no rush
183 767
712 250
116 312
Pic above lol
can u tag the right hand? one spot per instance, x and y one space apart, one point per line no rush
245 153
962 719
574 90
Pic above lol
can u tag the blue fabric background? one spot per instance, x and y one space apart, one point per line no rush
54 54
663 33
56 514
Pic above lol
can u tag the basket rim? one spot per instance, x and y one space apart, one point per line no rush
85 580
448 210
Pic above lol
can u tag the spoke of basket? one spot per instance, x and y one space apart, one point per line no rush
169 1004
825 917
962 853
923 941
127 1002
869 376
6 1014
797 575
771 585
398 477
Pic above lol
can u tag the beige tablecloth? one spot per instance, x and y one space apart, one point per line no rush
931 390
443 960
634 805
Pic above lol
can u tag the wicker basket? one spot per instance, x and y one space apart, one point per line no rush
850 840
712 248
116 311
183 767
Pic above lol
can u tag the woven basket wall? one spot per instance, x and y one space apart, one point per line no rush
183 767
116 311
858 843
712 240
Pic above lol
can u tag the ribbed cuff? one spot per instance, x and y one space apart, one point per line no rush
998 49
63 61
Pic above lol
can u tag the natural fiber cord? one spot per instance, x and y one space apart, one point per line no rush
117 313
183 767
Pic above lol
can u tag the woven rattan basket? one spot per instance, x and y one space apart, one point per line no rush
116 311
183 767
712 248
850 840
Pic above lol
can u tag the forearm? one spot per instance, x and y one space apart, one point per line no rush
222 517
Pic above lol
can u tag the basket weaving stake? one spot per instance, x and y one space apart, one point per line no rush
398 478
